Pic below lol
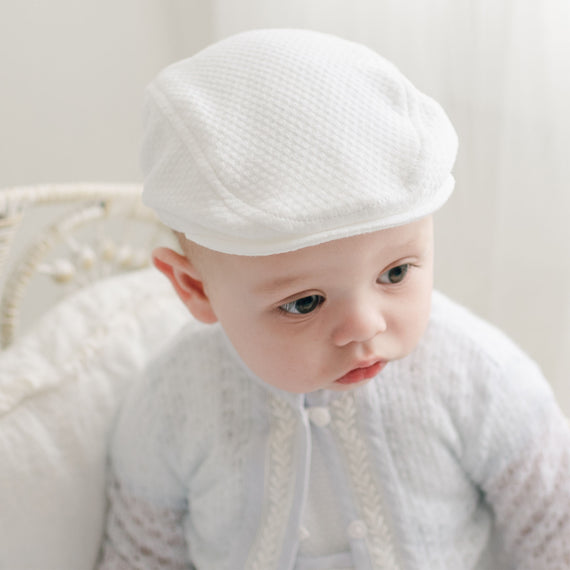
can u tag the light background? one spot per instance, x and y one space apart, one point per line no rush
72 75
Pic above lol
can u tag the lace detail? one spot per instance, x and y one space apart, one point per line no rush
265 551
531 498
378 537
141 536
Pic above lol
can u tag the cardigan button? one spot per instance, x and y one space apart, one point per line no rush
319 416
357 529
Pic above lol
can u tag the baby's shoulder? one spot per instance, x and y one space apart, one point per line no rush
187 393
186 364
195 350
456 335
470 368
197 364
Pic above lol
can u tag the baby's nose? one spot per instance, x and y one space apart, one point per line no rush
361 322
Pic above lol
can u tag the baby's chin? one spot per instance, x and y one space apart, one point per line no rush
339 387
333 386
309 386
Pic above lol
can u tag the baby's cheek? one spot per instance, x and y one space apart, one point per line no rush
413 325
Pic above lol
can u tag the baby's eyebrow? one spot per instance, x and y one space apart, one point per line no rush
278 284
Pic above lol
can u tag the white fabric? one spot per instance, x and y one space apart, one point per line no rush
274 140
59 389
449 457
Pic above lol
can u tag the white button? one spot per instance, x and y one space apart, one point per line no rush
303 534
357 529
320 416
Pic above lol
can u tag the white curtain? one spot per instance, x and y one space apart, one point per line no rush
502 71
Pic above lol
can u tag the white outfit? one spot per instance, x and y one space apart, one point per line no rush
455 457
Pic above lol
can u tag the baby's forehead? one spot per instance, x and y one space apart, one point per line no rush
373 248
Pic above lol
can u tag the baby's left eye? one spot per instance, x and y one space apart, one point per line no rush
303 306
394 275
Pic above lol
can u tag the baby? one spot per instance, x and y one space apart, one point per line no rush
325 409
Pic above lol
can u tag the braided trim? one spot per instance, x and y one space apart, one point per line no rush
265 551
379 537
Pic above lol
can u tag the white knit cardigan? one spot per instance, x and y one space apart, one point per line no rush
456 457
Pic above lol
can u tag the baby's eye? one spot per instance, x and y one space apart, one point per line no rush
303 305
394 275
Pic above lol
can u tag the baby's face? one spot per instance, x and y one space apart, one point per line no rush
330 316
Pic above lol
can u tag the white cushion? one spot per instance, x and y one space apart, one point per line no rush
60 386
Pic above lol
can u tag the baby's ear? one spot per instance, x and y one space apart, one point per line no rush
186 282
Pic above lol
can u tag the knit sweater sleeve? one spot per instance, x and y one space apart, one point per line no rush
147 502
519 455
141 535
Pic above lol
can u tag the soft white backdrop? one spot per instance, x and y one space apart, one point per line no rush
72 73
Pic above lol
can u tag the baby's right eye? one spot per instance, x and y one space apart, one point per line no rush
303 306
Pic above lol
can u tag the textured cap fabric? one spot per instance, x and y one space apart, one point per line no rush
274 140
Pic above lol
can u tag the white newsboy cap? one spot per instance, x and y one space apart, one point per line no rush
274 140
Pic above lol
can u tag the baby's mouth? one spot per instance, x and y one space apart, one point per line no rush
361 373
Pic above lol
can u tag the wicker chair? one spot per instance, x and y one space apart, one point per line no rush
97 315
104 228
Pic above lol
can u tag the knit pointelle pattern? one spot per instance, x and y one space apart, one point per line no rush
143 536
265 552
379 537
531 499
